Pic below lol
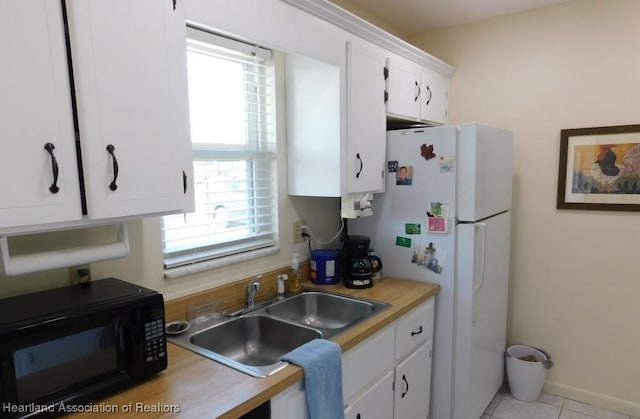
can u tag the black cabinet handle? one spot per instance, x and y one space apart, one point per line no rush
430 95
404 378
415 99
112 185
184 181
417 332
54 166
358 416
361 165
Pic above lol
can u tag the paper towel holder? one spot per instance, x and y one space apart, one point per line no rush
62 258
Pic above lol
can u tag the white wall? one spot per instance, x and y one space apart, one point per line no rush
574 274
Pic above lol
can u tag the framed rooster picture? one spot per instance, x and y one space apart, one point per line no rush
600 168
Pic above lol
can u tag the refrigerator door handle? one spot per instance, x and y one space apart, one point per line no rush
478 280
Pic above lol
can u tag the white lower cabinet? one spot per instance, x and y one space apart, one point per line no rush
290 404
413 385
388 376
375 403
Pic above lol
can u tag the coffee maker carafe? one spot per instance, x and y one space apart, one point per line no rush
359 265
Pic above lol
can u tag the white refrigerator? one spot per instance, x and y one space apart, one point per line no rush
445 218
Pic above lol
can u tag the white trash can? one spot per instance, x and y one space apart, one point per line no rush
526 377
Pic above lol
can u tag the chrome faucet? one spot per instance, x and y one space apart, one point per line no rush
252 289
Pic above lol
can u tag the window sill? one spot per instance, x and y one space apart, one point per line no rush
219 262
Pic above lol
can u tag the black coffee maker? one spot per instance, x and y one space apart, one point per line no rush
359 265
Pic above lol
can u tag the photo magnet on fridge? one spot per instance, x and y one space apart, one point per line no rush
428 257
404 175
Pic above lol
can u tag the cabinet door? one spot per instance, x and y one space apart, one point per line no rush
129 66
291 403
366 120
367 361
375 403
413 385
434 98
35 109
404 87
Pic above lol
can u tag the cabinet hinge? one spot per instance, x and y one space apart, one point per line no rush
385 72
382 173
386 96
429 353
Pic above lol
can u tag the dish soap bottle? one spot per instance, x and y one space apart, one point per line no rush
294 284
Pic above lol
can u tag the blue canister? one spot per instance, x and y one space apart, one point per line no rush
325 266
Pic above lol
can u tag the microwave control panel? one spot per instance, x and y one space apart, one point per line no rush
154 340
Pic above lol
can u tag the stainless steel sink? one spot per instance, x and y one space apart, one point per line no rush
330 313
252 344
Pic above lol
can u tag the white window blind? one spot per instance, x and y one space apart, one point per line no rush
232 111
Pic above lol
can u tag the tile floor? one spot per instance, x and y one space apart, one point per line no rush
548 406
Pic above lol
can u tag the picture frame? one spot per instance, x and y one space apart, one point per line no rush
599 168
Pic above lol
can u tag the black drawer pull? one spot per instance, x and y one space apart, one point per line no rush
54 166
413 333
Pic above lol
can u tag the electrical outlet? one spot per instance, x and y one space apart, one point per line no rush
297 231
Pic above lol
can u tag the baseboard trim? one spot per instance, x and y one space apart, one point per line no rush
595 399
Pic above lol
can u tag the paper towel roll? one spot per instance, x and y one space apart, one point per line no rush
54 259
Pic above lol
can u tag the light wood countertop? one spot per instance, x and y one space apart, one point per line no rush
196 387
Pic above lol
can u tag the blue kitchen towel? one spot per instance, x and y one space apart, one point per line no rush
321 361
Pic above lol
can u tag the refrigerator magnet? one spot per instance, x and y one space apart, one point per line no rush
437 225
404 175
392 166
438 209
446 164
412 228
426 151
403 241
428 257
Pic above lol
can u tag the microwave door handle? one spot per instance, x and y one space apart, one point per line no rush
124 339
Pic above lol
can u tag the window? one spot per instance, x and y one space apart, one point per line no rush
232 110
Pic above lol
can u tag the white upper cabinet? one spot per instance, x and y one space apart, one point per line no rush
129 67
404 88
128 62
35 110
434 106
321 160
366 121
416 93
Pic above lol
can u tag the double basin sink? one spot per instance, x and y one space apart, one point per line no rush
255 341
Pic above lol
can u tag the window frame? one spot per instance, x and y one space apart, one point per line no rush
260 153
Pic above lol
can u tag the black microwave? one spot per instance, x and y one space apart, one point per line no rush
63 348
